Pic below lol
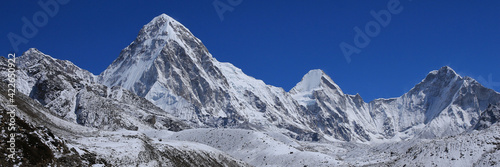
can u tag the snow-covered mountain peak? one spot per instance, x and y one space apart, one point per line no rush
162 26
35 61
315 80
445 72
32 56
162 34
439 79
34 52
310 81
163 16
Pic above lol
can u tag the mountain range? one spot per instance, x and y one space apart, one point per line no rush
166 101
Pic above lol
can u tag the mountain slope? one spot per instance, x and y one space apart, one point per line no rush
489 117
479 148
443 104
44 138
334 113
71 93
170 67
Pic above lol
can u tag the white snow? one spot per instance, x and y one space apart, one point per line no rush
310 81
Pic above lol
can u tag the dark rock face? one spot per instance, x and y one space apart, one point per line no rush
489 117
36 144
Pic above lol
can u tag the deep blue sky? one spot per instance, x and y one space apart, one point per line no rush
280 41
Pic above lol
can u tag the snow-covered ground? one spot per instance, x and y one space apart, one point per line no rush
256 148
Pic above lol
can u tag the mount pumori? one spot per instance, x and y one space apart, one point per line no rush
166 92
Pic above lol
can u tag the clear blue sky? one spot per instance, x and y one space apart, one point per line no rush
280 41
